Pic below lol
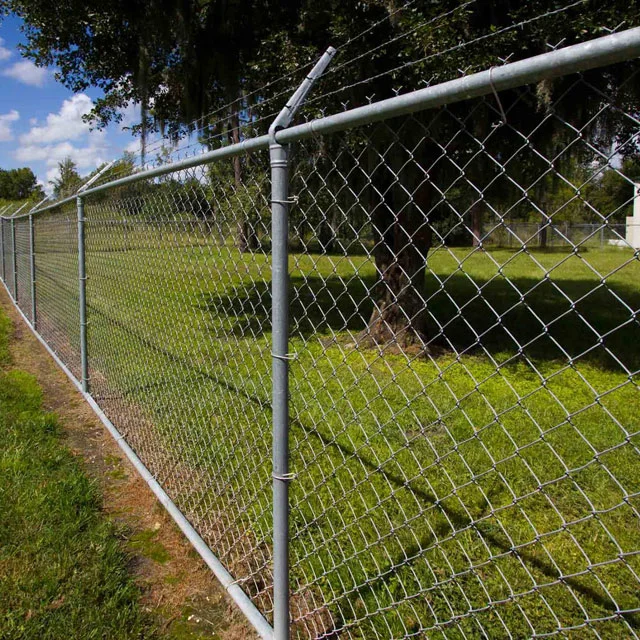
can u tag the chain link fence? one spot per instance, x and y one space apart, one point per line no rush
563 235
463 390
461 415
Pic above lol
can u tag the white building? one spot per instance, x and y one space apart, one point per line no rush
633 222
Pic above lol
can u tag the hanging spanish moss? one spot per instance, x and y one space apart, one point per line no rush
143 84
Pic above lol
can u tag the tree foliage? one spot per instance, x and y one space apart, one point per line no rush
613 193
68 180
19 184
184 58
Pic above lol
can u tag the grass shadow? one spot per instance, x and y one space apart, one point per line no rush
542 319
350 303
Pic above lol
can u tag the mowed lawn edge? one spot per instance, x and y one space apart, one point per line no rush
63 569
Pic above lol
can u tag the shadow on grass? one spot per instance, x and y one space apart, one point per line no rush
541 319
458 518
566 318
460 521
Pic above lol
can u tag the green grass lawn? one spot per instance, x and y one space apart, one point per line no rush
63 572
487 489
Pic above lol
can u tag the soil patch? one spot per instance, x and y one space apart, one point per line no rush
177 586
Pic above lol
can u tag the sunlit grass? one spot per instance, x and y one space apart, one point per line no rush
486 488
63 571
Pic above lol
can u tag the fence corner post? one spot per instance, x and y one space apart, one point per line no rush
32 265
82 283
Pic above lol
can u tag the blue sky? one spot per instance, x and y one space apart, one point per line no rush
41 121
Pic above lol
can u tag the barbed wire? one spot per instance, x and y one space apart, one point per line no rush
294 72
406 34
449 50
315 100
161 142
214 129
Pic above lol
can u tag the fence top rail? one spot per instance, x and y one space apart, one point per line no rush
599 52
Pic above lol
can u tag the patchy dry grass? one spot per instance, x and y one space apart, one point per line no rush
63 569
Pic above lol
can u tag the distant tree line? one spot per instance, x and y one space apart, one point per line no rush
19 184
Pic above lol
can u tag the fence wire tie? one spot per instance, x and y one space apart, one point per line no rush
497 97
286 356
291 200
285 477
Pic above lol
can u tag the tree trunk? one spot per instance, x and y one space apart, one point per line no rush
402 239
327 234
246 238
543 235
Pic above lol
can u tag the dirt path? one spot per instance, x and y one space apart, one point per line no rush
177 586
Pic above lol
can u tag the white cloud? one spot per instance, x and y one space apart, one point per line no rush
130 115
27 73
134 147
5 53
6 119
67 124
50 176
64 135
88 156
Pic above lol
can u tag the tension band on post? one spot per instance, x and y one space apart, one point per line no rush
286 356
291 200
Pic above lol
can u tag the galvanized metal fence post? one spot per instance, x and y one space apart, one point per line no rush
32 264
279 162
82 283
2 248
279 158
15 262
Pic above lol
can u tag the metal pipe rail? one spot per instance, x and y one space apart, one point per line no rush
581 57
595 53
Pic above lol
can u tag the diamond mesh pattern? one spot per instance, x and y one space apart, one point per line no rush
23 265
181 362
2 248
56 257
9 256
5 246
463 423
464 348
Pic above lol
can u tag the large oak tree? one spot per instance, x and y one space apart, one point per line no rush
184 58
